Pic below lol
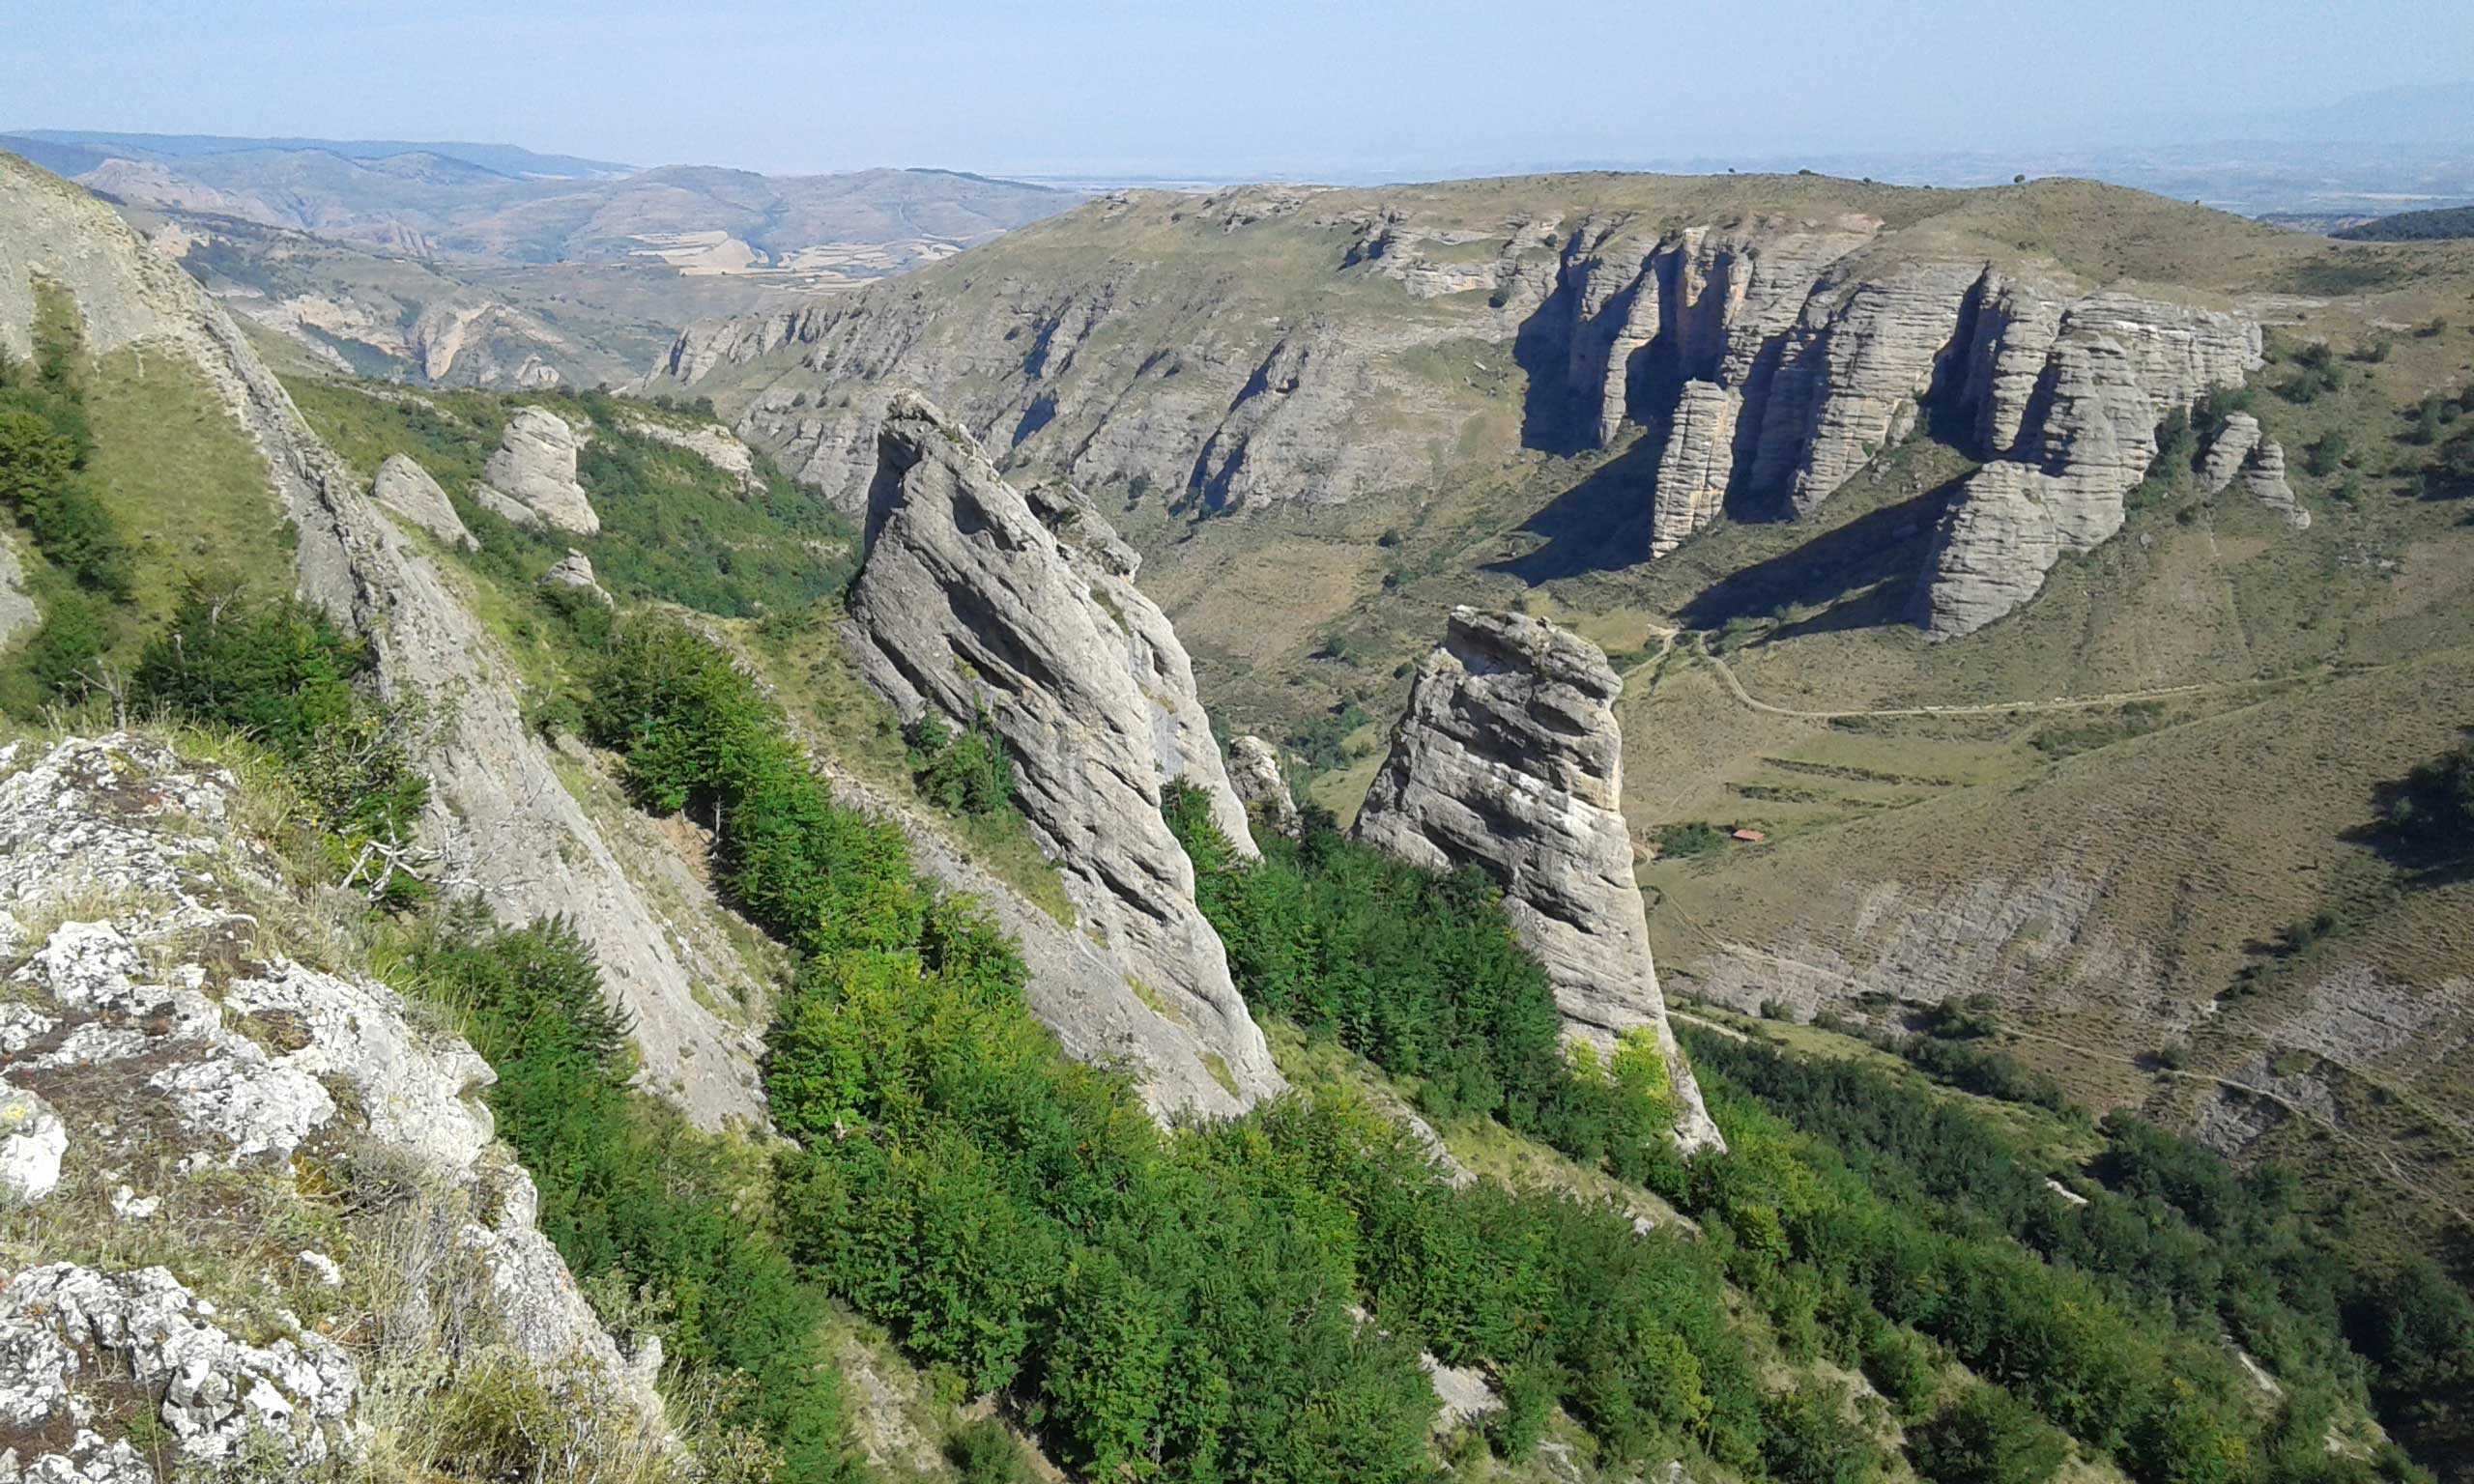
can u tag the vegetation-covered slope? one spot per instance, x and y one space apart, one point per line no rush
2450 221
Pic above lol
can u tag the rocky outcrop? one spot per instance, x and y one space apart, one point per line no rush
2241 451
406 488
712 443
1510 757
2228 452
163 1032
502 822
1768 352
2109 371
18 614
1694 465
532 474
1992 552
1254 773
975 598
2263 477
574 570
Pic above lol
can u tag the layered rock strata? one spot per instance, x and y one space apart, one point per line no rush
1510 757
1767 353
977 599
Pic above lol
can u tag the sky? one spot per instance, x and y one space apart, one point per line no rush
1213 89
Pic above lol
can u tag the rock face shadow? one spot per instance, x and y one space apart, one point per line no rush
1600 525
1883 551
1554 418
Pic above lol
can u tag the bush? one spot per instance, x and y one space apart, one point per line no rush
637 1202
2327 454
1683 842
1807 1439
1985 1436
966 774
279 673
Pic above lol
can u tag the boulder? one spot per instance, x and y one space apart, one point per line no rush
407 489
32 1143
1510 757
1254 771
575 570
975 597
534 470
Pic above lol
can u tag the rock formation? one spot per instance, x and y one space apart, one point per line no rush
1510 757
1768 352
1254 771
407 489
18 614
2228 452
2264 476
163 1029
2241 451
2108 367
975 598
1992 552
503 824
712 443
1692 466
575 570
533 474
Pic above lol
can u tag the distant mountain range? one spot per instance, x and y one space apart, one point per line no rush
68 146
492 265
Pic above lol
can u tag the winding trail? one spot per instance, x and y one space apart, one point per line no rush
1698 649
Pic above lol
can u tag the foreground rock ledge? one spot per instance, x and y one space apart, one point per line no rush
1510 757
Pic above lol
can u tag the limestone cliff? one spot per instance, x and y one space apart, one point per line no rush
1510 757
1267 346
501 823
331 1234
978 599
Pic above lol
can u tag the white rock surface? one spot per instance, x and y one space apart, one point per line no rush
18 614
1992 551
1694 466
976 597
406 488
534 468
575 570
1254 773
1510 757
32 1142
2228 452
170 1041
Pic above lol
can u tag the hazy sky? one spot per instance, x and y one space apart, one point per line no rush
1267 87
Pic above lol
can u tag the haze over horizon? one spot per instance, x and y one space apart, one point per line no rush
1284 89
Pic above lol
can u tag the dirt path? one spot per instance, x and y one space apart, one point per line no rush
1726 674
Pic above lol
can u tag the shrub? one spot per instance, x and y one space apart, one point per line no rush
1807 1439
964 774
279 673
1985 1436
